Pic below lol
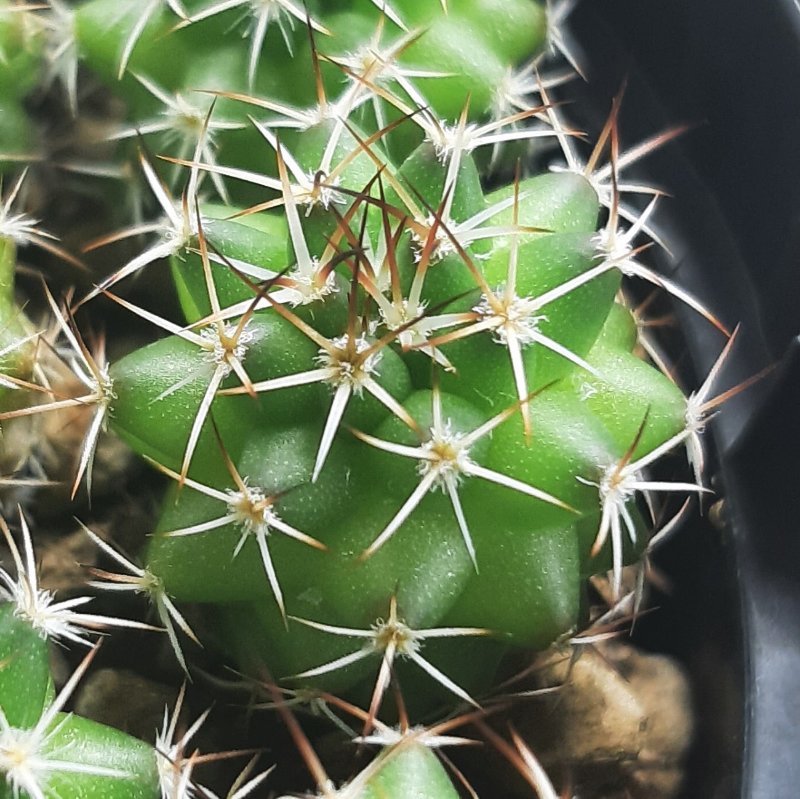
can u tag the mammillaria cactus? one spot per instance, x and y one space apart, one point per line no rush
404 415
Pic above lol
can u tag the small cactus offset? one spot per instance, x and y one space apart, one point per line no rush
401 406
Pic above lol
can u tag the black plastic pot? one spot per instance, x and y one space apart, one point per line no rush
730 69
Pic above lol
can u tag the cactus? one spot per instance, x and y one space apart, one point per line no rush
404 415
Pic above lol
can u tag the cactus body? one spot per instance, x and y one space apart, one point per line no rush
400 400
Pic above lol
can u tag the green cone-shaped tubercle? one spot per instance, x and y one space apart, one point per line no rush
567 442
127 765
627 391
473 68
407 770
255 244
561 202
203 567
572 321
22 37
24 669
102 30
520 567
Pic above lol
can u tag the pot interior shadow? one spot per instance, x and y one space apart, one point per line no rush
729 71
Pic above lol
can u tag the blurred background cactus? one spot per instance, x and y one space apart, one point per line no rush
336 337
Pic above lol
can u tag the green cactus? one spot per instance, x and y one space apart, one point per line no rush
404 414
